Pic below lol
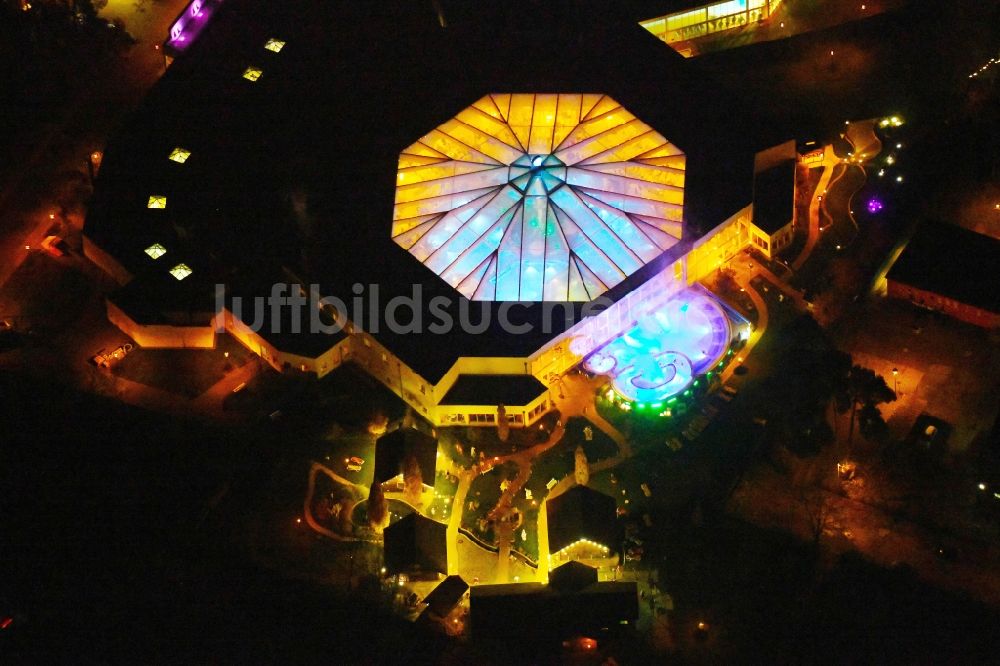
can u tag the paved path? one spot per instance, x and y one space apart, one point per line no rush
314 470
575 398
830 160
866 147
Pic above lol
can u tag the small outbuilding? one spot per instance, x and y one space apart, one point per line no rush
416 545
394 449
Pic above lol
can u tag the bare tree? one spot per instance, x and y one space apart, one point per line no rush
378 425
816 507
413 484
345 524
581 469
503 426
378 508
866 390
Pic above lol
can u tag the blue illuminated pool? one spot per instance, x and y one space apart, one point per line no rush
661 355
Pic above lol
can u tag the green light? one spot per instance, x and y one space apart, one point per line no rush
671 401
696 382
641 405
656 405
688 392
708 374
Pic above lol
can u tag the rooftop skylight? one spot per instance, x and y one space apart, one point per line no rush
180 155
539 197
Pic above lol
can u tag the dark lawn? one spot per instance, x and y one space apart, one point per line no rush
187 372
764 594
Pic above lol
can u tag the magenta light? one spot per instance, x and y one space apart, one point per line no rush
874 205
192 21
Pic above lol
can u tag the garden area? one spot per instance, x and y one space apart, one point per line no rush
558 462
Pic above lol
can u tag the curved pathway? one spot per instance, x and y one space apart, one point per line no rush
315 469
830 160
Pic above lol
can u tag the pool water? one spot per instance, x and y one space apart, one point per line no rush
662 354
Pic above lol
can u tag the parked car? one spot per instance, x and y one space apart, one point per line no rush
104 359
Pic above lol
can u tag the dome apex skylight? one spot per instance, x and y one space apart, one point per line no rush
539 197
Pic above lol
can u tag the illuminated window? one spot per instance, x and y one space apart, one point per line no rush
156 250
252 74
180 271
179 155
539 197
156 201
274 45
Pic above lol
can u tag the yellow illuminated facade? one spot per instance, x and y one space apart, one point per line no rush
539 197
709 19
156 201
252 73
274 45
584 550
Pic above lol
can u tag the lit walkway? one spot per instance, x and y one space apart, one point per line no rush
830 160
866 146
314 470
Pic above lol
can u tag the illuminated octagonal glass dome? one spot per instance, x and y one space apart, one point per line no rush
531 197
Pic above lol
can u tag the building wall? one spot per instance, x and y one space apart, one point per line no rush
928 299
710 18
719 245
771 245
486 415
814 157
398 377
193 337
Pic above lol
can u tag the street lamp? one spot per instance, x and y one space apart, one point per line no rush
895 380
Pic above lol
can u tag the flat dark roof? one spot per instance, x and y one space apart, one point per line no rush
951 261
516 390
446 595
533 610
582 513
298 169
416 544
393 449
774 197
